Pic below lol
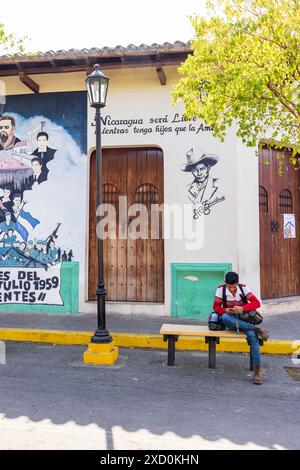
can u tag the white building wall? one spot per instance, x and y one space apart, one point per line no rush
230 231
248 215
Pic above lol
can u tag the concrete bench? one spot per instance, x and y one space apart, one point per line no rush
212 338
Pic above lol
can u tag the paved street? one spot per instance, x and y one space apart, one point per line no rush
50 400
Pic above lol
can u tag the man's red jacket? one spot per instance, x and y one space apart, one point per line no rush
253 302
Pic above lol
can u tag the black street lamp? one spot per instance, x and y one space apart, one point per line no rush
97 85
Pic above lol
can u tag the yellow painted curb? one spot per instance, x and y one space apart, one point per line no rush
45 336
133 340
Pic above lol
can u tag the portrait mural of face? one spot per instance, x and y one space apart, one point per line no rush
203 191
7 129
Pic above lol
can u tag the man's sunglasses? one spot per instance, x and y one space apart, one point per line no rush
4 127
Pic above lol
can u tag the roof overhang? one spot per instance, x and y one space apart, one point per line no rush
75 60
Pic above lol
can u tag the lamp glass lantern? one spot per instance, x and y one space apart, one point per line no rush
97 85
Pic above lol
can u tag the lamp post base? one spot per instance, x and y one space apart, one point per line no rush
101 337
101 354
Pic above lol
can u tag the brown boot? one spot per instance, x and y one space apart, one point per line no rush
262 334
257 376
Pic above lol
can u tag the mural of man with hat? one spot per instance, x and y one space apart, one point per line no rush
203 191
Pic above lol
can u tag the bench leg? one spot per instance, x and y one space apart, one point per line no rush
171 348
212 356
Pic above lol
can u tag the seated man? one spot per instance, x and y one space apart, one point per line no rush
235 303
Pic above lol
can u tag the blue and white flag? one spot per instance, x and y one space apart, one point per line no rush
25 224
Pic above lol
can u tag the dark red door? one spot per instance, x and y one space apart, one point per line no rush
278 195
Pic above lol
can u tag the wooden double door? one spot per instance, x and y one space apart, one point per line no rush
133 268
279 195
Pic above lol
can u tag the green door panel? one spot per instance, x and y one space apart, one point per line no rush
194 287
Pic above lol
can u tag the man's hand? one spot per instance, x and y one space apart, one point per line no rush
230 311
234 311
238 309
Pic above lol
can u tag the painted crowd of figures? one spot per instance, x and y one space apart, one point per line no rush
20 171
14 253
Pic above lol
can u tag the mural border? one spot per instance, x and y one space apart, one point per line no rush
69 294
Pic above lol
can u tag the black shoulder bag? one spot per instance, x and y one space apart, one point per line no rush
253 316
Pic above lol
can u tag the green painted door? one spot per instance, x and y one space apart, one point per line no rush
194 287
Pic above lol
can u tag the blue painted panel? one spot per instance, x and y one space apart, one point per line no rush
68 109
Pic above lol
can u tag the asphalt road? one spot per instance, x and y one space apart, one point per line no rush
50 400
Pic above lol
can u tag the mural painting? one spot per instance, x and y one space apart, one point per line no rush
36 219
203 191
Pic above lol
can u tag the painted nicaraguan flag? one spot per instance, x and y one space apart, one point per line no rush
25 224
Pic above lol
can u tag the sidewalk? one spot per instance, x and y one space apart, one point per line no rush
136 331
50 400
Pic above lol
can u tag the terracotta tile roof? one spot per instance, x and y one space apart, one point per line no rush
104 52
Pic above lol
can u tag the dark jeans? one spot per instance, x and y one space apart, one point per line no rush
230 322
